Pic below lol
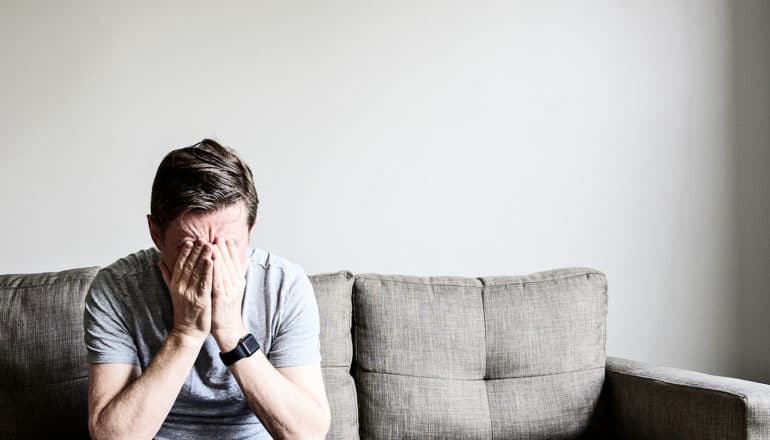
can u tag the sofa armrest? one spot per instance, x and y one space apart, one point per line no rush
644 401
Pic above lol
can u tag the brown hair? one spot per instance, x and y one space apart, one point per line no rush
202 177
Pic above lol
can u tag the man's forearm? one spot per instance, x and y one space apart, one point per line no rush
139 410
286 410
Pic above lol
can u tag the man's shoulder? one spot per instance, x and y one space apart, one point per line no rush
136 263
285 273
271 261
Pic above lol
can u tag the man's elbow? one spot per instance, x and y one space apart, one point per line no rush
318 433
325 424
317 430
101 431
95 429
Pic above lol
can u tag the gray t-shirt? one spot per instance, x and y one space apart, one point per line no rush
128 314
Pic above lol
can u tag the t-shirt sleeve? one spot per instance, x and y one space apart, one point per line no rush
297 341
107 336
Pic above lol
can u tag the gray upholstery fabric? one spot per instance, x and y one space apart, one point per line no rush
515 357
43 370
489 357
334 293
652 402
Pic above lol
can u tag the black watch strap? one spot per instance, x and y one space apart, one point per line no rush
247 346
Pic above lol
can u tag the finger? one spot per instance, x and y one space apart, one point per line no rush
219 273
208 273
235 256
234 272
227 263
181 259
224 273
224 253
198 271
187 269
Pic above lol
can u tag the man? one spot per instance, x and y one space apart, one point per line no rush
172 333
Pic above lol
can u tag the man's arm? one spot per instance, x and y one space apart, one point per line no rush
290 403
122 405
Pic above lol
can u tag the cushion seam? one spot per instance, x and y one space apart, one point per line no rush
486 356
494 284
479 286
45 384
484 378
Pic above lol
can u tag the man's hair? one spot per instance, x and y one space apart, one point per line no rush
203 177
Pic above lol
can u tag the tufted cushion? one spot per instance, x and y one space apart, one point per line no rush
43 369
488 357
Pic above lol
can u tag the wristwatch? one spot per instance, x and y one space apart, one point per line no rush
247 346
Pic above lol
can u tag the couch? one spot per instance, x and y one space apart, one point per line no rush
491 357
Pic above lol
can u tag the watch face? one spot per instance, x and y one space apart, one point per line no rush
251 344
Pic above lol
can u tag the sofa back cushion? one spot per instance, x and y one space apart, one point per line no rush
487 357
43 369
333 293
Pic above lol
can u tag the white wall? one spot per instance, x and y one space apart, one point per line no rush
465 138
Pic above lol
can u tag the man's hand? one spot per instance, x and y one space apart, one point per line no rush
190 287
229 284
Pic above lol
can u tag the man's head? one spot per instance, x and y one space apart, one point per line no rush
202 191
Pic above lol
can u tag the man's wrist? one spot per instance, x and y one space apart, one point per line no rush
185 340
227 339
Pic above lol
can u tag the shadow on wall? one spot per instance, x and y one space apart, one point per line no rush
750 23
